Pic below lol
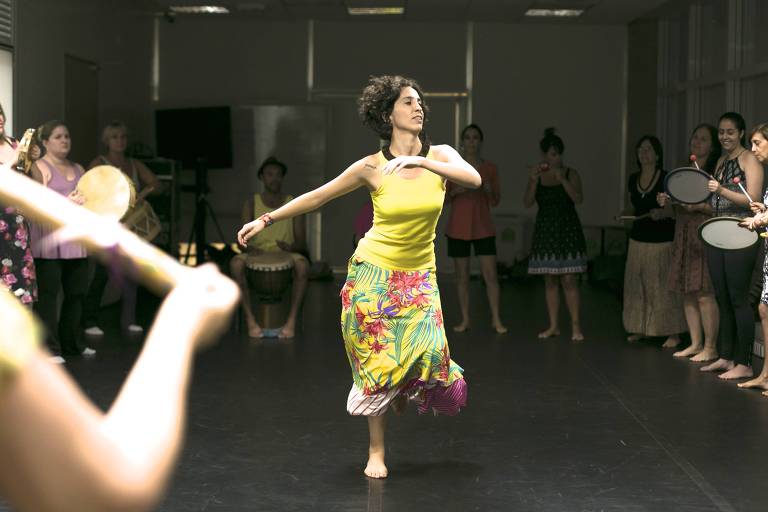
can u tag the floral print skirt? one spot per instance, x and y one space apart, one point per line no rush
17 267
392 325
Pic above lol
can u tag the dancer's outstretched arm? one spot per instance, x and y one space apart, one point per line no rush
62 453
361 173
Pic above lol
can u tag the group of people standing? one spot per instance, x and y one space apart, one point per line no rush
37 262
675 282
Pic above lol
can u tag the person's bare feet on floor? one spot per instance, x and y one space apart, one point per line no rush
706 355
552 331
740 371
719 365
688 352
632 338
376 467
463 326
761 381
576 334
672 342
500 329
254 331
286 331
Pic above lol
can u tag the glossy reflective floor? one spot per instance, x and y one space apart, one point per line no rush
550 425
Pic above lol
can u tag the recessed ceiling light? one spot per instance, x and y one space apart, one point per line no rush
198 9
561 13
372 11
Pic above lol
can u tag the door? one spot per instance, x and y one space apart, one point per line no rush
81 107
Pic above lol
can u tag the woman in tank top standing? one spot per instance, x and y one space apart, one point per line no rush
115 139
731 270
60 264
391 319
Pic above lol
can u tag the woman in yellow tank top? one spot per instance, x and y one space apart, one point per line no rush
391 318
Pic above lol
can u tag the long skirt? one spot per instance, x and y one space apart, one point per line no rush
392 324
650 307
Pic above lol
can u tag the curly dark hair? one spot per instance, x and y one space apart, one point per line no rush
378 99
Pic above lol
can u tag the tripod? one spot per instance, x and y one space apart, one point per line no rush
202 210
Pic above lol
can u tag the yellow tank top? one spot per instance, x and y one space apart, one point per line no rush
405 215
280 230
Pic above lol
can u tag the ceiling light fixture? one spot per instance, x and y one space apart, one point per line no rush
559 13
198 9
372 11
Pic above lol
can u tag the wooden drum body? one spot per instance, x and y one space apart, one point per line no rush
269 277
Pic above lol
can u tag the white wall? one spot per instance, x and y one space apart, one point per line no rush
527 77
111 33
6 88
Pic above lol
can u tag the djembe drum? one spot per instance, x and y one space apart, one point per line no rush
269 276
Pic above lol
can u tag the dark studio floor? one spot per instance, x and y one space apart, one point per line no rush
550 426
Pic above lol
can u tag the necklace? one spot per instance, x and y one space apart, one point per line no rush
644 190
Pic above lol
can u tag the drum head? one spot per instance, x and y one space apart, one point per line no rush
107 191
269 261
687 185
725 233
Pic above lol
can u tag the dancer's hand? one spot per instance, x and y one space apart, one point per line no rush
201 305
662 199
249 230
395 165
756 207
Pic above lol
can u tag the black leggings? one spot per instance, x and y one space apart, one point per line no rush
96 290
731 273
71 275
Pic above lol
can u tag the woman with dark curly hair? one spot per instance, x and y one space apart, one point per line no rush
391 318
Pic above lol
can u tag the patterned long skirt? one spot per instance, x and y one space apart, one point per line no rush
392 325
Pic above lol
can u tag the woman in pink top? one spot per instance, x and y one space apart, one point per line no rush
470 225
60 264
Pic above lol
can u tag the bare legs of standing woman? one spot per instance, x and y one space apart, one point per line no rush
488 268
761 381
570 283
703 319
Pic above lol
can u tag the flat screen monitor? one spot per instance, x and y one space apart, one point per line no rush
192 134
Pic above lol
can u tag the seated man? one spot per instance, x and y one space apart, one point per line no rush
286 235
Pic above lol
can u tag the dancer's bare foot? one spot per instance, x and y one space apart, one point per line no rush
500 329
688 352
552 331
765 393
761 381
463 326
719 365
672 342
632 338
286 331
576 334
706 355
376 467
254 331
740 371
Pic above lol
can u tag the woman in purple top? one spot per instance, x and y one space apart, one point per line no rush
60 264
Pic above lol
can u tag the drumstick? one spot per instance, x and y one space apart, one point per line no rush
107 237
693 159
737 181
